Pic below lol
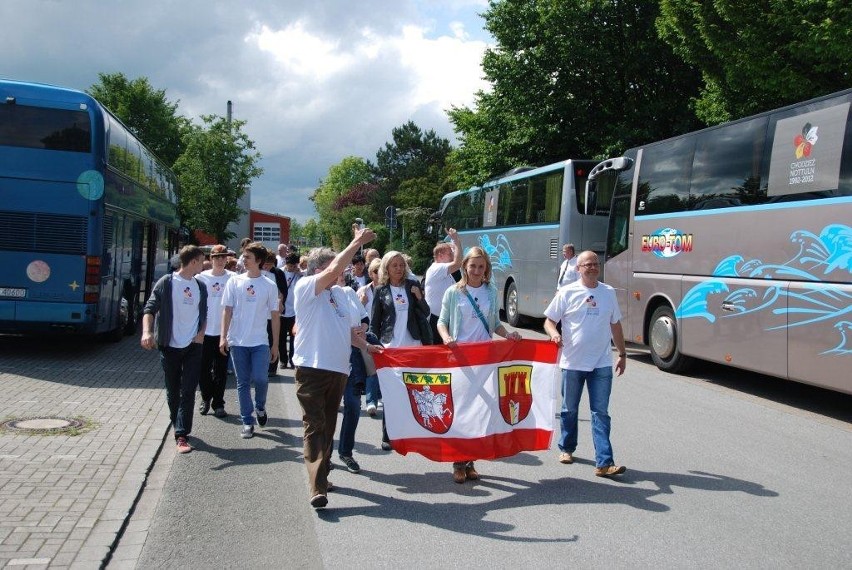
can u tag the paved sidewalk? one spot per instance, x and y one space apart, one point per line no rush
64 498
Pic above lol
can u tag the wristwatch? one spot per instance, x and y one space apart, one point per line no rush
622 354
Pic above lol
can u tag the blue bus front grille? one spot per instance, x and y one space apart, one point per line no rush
50 233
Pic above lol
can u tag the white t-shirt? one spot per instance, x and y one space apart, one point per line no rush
185 299
215 290
370 293
567 272
323 327
253 299
291 278
358 309
438 280
471 328
401 336
586 316
360 281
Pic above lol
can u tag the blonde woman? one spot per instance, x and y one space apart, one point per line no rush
470 313
400 314
366 294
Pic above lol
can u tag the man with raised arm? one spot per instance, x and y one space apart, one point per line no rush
439 277
326 328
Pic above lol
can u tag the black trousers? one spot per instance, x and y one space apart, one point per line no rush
214 372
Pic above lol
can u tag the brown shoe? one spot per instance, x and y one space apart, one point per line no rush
566 458
609 470
471 473
459 474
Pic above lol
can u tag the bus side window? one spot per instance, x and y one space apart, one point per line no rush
664 176
727 166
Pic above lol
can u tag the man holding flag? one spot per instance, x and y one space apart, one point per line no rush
588 310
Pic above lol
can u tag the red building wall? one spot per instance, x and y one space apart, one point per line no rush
255 216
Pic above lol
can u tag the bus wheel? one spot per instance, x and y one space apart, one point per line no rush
664 342
513 317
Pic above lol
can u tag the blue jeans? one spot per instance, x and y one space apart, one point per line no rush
181 367
250 366
373 392
351 404
599 382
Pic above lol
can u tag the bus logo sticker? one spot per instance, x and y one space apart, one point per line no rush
38 271
805 141
667 242
797 164
90 185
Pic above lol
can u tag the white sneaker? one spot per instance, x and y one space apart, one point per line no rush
371 409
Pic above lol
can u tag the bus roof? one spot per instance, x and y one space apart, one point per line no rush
562 164
747 118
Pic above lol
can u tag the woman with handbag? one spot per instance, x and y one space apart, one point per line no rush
470 313
400 313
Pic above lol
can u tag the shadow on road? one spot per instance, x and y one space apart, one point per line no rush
477 518
820 401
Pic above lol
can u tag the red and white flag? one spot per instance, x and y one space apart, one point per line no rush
480 400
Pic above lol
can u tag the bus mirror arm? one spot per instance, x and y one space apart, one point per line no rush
591 198
611 164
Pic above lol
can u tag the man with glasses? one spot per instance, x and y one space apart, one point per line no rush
590 318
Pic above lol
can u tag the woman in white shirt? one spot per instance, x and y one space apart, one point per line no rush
400 314
366 294
470 313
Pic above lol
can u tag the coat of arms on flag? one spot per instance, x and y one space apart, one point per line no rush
431 399
481 400
515 392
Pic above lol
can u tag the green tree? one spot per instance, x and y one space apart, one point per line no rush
755 56
571 78
215 171
336 212
145 111
410 172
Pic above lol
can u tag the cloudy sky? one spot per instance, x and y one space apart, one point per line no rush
316 80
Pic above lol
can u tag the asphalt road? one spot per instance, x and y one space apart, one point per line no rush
725 469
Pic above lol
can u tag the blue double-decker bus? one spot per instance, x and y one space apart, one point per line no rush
88 215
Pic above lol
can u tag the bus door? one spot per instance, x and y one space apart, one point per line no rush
110 288
617 262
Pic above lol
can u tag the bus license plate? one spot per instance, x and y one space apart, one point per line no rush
13 292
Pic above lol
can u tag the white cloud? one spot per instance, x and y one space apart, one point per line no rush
314 81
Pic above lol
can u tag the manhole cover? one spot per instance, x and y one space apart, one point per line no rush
45 425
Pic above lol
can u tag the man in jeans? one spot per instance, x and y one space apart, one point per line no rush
179 303
588 310
249 301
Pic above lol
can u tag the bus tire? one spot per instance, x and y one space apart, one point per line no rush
513 315
663 341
